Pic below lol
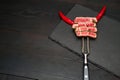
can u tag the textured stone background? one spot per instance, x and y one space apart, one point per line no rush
25 49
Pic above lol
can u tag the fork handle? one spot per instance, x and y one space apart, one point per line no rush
86 75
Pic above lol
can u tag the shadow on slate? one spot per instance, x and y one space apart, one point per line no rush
104 51
13 77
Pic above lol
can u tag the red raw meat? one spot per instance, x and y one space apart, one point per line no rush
86 32
85 19
85 27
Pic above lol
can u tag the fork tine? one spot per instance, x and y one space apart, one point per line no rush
83 45
88 45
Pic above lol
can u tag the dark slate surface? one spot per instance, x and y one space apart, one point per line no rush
25 49
14 77
105 50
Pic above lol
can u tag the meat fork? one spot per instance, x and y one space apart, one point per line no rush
85 40
85 52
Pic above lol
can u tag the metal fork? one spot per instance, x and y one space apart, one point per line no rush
85 52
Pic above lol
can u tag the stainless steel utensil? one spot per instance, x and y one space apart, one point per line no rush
86 52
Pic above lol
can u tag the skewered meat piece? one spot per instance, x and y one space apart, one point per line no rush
85 27
85 19
86 32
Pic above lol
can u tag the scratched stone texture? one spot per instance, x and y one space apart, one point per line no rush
26 53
